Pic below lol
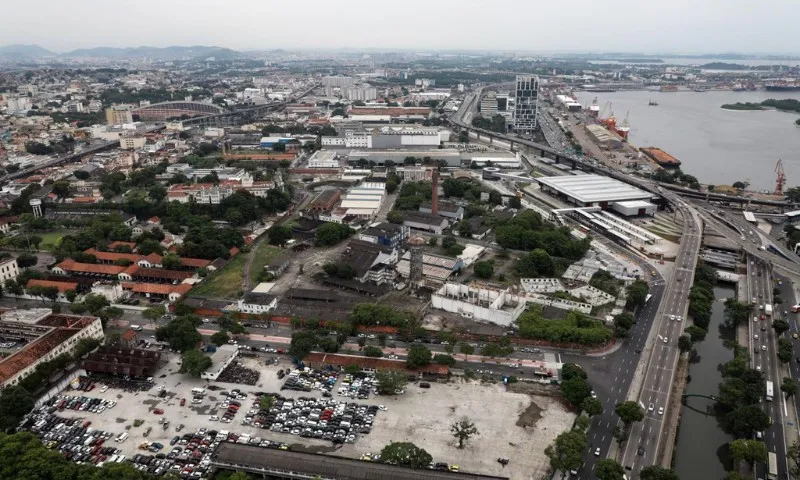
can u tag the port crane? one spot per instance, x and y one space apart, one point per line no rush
780 178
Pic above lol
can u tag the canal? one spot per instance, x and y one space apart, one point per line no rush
701 450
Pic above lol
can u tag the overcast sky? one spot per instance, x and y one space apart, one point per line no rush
682 26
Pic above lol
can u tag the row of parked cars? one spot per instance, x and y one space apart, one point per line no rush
322 418
84 404
79 442
307 379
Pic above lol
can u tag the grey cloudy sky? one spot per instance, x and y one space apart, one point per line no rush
685 26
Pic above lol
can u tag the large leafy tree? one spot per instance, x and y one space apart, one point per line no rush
194 362
629 412
15 403
463 430
566 452
576 390
181 333
406 454
418 356
608 469
750 451
654 472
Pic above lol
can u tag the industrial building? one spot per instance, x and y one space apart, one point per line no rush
604 137
388 136
436 269
325 200
492 159
568 103
526 104
220 360
452 158
134 362
323 159
425 221
364 200
269 142
386 234
634 208
480 303
40 336
592 190
388 114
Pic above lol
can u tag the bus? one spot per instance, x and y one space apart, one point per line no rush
770 390
773 465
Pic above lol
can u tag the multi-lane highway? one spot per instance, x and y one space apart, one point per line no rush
642 447
763 345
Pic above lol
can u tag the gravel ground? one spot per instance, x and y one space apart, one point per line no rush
422 416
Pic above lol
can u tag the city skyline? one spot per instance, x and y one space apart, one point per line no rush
681 26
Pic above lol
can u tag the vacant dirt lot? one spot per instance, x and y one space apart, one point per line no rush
516 426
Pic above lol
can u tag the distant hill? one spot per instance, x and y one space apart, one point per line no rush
165 53
24 51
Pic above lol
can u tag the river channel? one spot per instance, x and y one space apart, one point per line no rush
701 449
717 146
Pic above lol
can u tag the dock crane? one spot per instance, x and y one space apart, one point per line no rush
780 178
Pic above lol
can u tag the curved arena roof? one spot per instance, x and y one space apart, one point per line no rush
165 110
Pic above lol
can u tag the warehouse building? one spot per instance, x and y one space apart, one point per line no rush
602 136
365 200
220 360
592 190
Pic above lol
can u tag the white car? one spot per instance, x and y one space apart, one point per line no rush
678 318
672 317
661 410
104 389
594 395
763 348
213 418
755 337
666 340
382 407
597 452
650 407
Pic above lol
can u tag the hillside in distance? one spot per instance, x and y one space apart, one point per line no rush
12 52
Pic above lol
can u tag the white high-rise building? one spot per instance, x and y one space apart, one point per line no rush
364 93
489 105
526 96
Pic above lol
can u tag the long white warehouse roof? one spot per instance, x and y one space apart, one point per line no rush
594 188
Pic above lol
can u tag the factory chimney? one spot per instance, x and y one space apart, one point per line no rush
435 193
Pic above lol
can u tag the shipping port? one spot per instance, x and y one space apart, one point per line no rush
661 157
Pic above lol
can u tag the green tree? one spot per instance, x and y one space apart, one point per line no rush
171 261
784 350
443 359
15 403
622 323
418 356
154 313
736 312
654 472
780 325
793 457
637 293
362 342
390 381
266 402
684 343
572 370
194 362
696 333
61 189
592 406
332 233
405 454
789 386
372 351
576 390
220 338
181 334
629 412
566 452
750 451
395 217
466 348
537 263
608 469
464 229
793 195
279 234
26 260
483 269
463 430
746 420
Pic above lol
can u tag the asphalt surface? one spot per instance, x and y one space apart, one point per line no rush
641 448
763 345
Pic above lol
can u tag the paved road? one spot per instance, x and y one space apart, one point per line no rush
611 377
642 446
763 344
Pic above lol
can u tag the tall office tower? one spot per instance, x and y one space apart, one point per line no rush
489 105
526 102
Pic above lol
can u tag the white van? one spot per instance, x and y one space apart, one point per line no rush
122 437
199 391
137 328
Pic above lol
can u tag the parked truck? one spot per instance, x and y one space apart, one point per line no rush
768 309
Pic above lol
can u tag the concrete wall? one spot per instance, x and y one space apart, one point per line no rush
449 297
558 303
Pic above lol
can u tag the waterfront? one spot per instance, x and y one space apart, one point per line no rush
700 440
717 146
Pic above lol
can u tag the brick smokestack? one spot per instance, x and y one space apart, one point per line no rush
435 193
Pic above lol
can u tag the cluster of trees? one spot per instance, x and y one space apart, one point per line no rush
605 281
736 312
622 323
369 314
153 95
575 327
576 389
412 195
675 176
94 304
194 362
740 394
332 233
637 293
496 124
305 341
181 333
701 295
484 269
451 246
337 270
22 455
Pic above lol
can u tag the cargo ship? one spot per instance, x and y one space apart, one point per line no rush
782 87
661 157
622 129
669 88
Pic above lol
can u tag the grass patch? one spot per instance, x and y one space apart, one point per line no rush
225 283
265 254
49 240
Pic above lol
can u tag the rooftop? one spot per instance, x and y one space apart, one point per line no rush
594 188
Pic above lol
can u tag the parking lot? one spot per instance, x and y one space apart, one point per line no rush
421 416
